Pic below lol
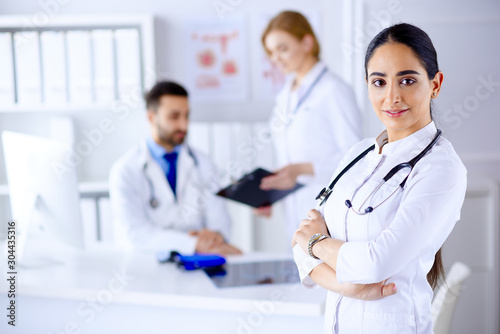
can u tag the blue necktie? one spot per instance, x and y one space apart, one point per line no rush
171 159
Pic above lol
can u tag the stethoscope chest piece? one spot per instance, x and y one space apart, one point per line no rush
153 202
323 195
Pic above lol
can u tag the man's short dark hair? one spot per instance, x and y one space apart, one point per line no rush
163 88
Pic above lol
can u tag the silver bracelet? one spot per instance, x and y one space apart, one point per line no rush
312 241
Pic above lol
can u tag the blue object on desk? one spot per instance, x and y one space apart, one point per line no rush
191 262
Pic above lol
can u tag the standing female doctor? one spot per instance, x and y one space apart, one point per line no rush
315 119
381 223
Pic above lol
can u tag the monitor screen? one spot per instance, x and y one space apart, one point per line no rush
254 273
43 191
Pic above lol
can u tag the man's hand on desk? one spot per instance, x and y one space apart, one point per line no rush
213 242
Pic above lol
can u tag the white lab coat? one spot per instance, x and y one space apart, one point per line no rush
398 240
321 130
165 227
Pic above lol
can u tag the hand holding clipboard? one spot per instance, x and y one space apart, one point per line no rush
247 190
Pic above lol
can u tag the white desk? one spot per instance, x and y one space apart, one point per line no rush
106 291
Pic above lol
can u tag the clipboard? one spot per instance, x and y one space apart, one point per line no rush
247 191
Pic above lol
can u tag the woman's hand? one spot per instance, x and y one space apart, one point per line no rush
264 211
308 228
286 177
326 277
368 291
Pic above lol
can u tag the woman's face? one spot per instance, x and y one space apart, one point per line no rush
400 90
286 51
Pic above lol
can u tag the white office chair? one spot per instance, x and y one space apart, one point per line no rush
445 301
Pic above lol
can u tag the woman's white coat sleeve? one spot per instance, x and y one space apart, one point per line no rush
428 211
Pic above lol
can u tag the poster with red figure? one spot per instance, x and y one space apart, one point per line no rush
216 60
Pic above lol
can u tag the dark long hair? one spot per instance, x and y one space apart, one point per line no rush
421 45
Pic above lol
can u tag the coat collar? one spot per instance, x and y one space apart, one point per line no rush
310 77
418 138
307 81
185 162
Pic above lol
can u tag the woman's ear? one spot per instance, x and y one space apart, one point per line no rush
307 43
436 84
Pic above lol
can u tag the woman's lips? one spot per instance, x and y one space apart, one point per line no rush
395 113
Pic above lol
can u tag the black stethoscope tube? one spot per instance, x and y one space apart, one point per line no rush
326 192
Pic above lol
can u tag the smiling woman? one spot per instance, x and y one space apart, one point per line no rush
402 74
380 266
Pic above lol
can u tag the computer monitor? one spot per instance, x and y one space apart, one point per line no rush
44 197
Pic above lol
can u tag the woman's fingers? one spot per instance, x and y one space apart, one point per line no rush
269 182
263 211
389 290
314 214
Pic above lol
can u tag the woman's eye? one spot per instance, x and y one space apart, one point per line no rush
378 83
407 81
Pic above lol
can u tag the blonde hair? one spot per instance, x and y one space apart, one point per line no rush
293 23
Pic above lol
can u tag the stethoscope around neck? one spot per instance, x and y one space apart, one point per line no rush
153 200
326 192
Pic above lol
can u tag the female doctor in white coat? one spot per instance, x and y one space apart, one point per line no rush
381 223
315 120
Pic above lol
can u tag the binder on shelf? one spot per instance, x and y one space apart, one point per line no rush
54 67
104 85
128 63
27 55
6 70
79 66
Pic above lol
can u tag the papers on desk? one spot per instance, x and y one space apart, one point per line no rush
247 190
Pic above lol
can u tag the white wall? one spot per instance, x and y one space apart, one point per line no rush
169 20
466 53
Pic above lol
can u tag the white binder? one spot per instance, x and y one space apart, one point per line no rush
54 67
102 41
128 61
27 55
79 67
6 70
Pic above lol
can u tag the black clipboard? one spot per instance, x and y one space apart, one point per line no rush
246 190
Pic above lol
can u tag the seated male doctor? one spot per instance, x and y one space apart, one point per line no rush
162 191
